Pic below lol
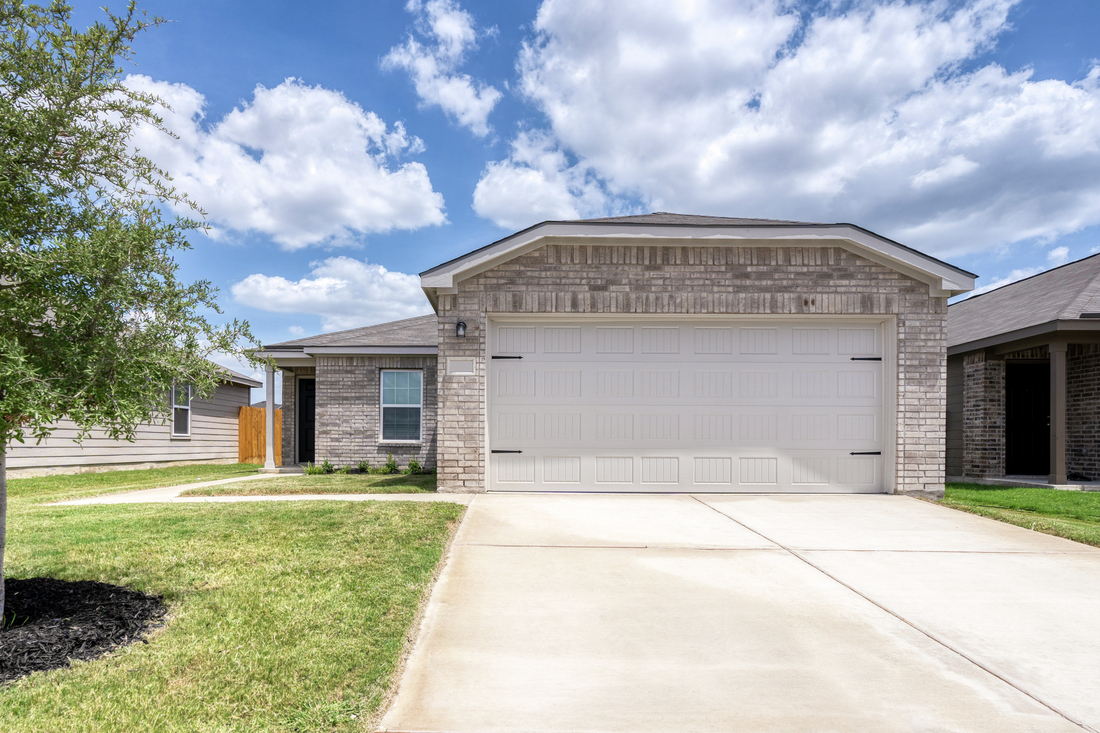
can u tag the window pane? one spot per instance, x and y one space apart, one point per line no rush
181 421
400 423
183 395
401 388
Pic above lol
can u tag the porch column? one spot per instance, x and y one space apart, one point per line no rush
1057 413
269 419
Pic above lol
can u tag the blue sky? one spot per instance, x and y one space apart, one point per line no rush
342 147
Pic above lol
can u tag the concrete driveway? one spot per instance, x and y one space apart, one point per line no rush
753 613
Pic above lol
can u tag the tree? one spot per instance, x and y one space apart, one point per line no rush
94 325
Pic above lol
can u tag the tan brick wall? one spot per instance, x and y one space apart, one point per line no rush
560 278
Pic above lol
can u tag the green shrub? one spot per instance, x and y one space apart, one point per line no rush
364 467
327 467
312 469
391 465
345 470
414 467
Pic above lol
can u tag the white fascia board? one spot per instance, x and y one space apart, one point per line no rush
943 280
287 359
371 350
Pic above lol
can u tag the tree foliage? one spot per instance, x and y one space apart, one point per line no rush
94 324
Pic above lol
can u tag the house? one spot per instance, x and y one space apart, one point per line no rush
195 431
660 352
1023 378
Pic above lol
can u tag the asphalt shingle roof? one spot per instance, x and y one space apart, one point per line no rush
419 331
1063 293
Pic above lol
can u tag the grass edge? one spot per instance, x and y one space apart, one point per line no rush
1003 515
373 721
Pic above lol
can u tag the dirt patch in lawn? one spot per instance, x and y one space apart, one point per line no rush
48 622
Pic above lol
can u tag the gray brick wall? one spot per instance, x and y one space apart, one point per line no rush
983 416
1083 410
348 415
559 278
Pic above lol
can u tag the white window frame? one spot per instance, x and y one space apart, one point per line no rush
174 407
382 406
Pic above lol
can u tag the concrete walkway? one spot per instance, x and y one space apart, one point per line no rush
171 495
752 613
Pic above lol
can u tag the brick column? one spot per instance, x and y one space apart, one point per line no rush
461 416
983 416
290 423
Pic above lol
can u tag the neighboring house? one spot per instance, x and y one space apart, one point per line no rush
195 431
1023 375
648 353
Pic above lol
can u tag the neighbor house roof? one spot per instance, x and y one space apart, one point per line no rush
237 378
408 336
943 279
1055 300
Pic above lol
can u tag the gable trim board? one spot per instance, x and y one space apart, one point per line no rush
943 280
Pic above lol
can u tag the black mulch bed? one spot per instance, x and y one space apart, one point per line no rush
48 622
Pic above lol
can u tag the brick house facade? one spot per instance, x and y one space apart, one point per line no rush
1024 384
673 269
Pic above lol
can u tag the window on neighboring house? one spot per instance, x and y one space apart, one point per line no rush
181 410
402 405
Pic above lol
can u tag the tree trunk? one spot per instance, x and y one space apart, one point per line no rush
3 523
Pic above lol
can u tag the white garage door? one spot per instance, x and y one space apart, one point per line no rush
708 405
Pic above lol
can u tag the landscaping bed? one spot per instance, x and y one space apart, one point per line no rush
331 483
1074 515
48 623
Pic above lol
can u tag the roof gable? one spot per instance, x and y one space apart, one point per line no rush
666 228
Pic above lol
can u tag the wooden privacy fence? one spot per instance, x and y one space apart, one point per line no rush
252 435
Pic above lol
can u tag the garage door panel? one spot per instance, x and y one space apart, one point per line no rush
692 406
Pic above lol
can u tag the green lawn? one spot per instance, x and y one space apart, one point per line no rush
75 486
331 483
283 617
1074 515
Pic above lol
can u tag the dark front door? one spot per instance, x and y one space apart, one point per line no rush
1027 418
307 403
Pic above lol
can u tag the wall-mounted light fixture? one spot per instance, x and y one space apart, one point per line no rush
460 329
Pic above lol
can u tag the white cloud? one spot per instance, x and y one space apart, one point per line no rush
296 330
537 183
345 292
866 113
1058 256
304 165
434 68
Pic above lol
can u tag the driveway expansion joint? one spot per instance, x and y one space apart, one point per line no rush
932 637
